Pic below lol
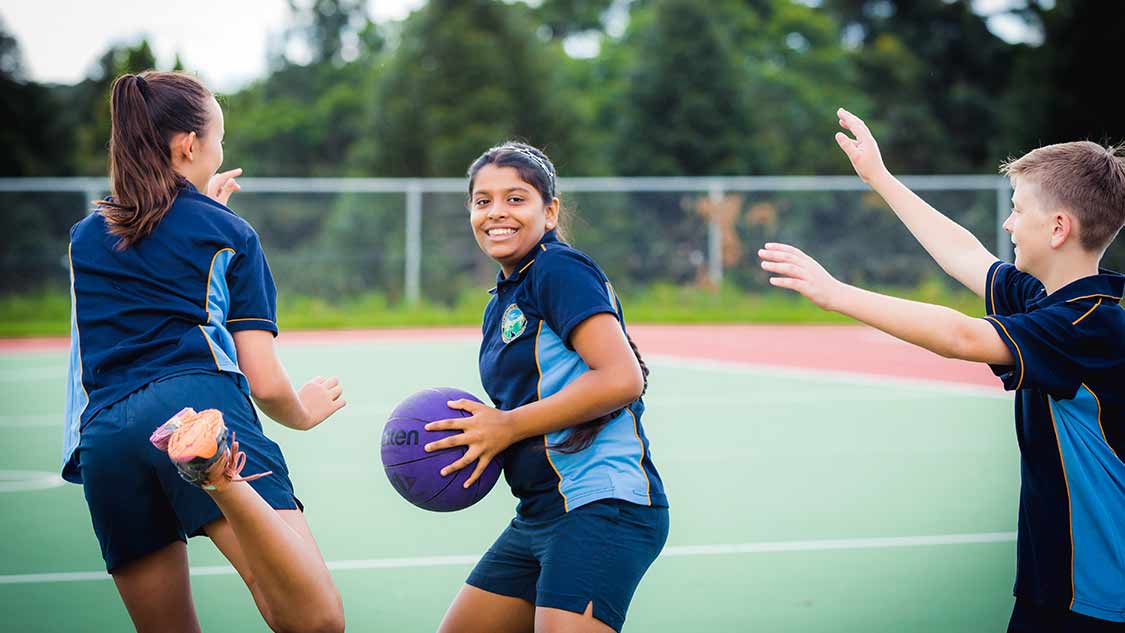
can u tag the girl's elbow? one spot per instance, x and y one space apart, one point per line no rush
266 390
634 384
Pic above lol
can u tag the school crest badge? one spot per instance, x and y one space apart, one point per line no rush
512 324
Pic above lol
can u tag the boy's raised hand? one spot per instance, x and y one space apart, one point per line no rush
797 271
863 151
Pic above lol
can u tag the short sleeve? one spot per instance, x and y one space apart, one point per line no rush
252 291
570 289
1007 290
1050 351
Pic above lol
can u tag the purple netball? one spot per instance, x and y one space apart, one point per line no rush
416 474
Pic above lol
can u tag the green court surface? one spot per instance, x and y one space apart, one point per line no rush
800 502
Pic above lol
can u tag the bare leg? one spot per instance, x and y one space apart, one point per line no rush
478 611
548 620
276 555
156 591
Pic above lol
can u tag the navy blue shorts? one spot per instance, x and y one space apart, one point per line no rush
138 502
1028 617
595 553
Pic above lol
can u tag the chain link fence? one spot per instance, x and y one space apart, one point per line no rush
409 239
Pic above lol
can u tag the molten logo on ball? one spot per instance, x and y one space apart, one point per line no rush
392 437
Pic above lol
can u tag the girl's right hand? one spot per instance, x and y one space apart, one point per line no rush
863 151
320 398
222 186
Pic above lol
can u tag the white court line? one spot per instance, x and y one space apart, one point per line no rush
830 375
784 398
674 551
24 480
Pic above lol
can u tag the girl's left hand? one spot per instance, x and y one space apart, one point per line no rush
222 186
486 433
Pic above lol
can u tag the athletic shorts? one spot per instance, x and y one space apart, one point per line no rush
1028 617
138 502
595 553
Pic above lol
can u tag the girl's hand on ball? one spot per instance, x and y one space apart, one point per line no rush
486 433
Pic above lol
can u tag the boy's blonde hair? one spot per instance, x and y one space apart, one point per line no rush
1085 178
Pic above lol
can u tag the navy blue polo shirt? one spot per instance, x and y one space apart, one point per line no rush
526 355
1069 378
165 305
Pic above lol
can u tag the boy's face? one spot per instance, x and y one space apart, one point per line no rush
1033 227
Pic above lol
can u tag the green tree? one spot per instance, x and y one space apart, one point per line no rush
1061 92
798 74
91 103
328 27
563 18
308 119
467 75
934 72
299 121
684 111
35 135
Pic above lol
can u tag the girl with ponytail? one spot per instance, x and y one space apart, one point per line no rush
172 328
566 381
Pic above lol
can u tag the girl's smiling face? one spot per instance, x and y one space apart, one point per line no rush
508 215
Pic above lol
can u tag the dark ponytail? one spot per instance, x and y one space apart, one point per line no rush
147 111
583 435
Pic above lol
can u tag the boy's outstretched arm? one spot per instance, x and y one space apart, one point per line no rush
954 248
936 328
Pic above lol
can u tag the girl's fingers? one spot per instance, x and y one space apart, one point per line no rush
452 424
471 406
482 463
446 442
465 460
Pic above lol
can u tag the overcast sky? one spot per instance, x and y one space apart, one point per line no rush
223 40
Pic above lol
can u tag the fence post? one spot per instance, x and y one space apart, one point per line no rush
413 282
1003 209
715 237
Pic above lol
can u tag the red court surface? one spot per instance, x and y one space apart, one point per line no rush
847 348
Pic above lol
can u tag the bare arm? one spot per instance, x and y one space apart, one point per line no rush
936 328
613 381
954 248
272 391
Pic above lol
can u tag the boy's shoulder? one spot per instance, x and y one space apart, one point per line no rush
1010 291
